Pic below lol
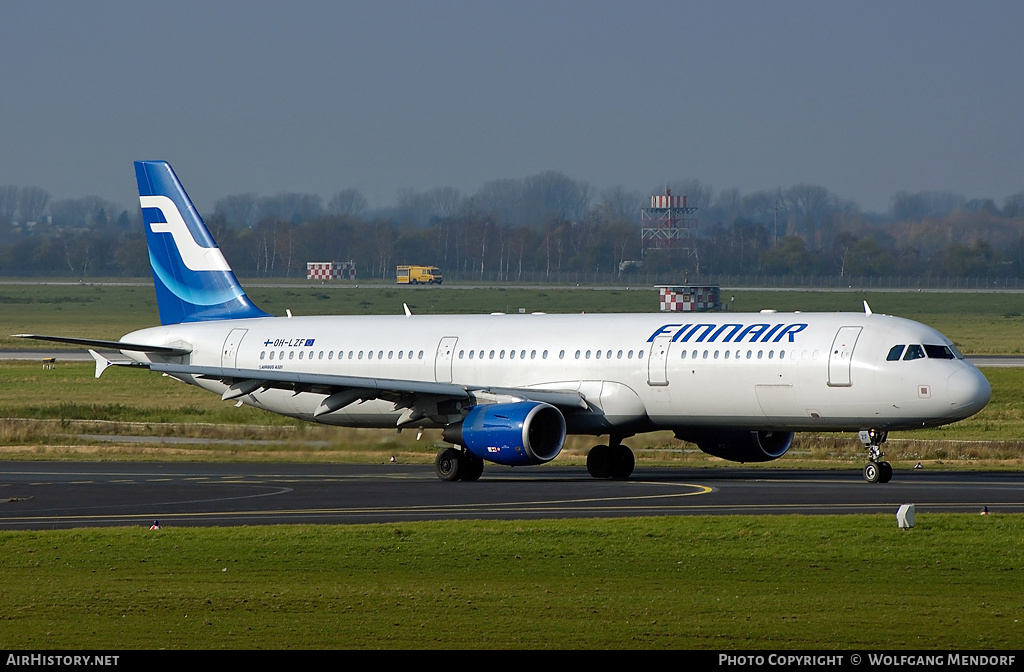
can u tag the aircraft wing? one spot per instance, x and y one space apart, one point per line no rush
419 398
110 345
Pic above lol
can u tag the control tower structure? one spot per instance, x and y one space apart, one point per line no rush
668 223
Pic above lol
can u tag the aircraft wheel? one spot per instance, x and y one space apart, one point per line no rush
472 468
599 462
884 472
447 464
622 463
871 472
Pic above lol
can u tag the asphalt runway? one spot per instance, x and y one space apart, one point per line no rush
51 495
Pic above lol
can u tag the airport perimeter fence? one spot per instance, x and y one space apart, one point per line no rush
760 281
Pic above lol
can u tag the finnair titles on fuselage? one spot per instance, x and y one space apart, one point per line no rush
509 388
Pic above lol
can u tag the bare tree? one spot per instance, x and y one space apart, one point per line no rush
8 201
617 204
414 208
502 199
294 207
347 203
444 201
32 202
82 212
551 195
240 209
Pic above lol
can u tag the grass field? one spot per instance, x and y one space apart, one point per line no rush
779 583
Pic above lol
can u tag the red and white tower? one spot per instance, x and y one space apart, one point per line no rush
668 223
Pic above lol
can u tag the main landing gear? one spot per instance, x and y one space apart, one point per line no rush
876 470
455 464
615 461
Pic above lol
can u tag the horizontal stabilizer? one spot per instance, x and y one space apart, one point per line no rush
110 345
102 363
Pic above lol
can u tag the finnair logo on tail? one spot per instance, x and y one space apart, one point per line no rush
196 257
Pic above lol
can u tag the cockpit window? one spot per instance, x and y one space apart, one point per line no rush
938 352
894 353
914 352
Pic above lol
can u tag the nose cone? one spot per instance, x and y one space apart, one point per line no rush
968 391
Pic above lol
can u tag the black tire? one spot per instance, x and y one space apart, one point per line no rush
872 472
599 462
884 472
622 463
472 468
448 464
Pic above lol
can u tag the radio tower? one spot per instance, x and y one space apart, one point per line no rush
668 224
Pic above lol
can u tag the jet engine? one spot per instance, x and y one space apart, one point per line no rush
515 434
739 445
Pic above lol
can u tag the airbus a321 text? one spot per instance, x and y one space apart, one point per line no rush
509 388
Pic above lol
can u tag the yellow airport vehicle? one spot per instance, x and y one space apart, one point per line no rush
419 275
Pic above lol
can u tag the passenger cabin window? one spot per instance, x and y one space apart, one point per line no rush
894 353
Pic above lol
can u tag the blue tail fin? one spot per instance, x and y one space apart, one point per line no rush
193 281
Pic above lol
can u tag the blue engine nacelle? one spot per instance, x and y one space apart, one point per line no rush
739 445
521 433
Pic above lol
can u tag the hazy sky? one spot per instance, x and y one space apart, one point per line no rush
864 98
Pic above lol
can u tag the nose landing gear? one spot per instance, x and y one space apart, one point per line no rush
876 470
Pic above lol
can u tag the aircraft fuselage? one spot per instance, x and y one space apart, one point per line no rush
637 372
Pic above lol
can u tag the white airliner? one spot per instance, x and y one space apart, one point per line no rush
509 388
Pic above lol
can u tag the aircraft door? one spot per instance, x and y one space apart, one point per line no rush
840 357
443 359
657 361
229 353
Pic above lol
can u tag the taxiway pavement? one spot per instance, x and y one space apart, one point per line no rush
48 495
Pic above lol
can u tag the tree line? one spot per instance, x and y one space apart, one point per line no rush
544 225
